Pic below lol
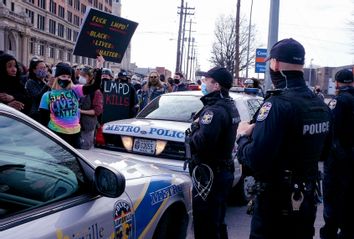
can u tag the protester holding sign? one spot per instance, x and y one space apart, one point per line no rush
59 108
91 106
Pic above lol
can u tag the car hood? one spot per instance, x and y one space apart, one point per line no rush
146 128
129 167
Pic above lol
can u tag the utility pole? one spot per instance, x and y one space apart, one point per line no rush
272 35
178 60
186 13
237 53
249 39
189 44
192 60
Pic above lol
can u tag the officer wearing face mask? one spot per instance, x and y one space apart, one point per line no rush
178 82
338 182
211 143
283 147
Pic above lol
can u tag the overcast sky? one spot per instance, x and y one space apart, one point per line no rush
322 26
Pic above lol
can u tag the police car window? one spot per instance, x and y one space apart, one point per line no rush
172 107
34 170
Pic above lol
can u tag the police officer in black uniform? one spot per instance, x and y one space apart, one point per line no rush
283 148
212 142
338 185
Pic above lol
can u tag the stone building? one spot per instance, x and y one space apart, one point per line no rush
45 28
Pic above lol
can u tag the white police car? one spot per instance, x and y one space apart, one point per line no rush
157 134
49 190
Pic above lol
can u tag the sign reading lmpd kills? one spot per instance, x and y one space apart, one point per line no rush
105 34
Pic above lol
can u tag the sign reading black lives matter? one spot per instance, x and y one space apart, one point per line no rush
105 34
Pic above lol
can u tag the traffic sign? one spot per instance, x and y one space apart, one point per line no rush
261 54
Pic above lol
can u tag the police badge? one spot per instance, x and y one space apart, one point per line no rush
264 111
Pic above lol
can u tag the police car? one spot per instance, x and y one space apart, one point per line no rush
50 190
157 133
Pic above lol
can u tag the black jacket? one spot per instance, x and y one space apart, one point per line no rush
214 138
291 131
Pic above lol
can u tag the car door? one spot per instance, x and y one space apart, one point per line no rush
46 190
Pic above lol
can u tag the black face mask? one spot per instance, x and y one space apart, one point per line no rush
276 77
63 83
177 81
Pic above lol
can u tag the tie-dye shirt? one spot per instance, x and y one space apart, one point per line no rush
64 109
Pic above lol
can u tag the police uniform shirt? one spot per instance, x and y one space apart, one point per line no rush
285 135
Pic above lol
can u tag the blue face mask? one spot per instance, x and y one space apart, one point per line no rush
204 89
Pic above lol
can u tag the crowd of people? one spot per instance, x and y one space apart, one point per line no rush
71 100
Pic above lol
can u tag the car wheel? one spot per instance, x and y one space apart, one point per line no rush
173 224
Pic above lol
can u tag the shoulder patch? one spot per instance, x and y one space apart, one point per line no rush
264 111
207 117
332 104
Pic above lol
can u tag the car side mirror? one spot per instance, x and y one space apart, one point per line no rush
108 182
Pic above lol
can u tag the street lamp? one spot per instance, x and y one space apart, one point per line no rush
249 39
310 75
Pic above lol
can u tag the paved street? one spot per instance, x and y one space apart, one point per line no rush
239 223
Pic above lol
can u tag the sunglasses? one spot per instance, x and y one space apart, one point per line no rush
153 77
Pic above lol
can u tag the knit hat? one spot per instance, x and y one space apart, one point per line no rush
344 76
63 69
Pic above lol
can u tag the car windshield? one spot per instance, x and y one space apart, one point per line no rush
172 107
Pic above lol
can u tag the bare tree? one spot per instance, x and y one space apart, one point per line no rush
224 48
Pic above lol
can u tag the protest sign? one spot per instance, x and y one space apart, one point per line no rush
117 101
105 34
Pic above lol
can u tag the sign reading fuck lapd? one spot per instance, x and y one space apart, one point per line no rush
104 34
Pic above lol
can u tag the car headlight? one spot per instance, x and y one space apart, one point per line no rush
127 142
160 146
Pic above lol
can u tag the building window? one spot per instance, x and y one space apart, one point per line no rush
95 3
70 2
77 59
110 3
90 1
70 17
75 35
41 4
68 56
100 6
60 30
52 26
41 48
30 1
61 12
83 60
40 22
32 46
51 52
30 14
83 8
68 34
61 55
12 6
76 20
52 7
77 4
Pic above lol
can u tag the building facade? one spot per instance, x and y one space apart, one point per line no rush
47 29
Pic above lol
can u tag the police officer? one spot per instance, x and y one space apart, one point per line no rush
283 147
212 142
338 183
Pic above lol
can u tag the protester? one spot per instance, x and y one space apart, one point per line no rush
143 95
179 84
283 147
338 183
37 84
12 92
319 93
59 108
91 106
212 140
133 98
155 86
